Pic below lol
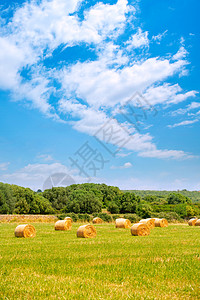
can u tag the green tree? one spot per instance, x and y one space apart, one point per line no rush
22 207
180 209
144 210
128 202
82 201
113 208
189 211
177 198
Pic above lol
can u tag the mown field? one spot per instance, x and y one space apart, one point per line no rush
114 265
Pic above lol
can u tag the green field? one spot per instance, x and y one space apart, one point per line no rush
114 265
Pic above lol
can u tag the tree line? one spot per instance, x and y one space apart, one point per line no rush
90 198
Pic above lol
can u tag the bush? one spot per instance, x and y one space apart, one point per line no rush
169 216
75 217
132 217
84 217
115 217
71 215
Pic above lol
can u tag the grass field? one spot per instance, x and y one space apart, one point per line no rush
114 265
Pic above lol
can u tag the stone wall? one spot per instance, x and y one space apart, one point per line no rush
28 218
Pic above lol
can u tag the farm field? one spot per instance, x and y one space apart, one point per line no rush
114 265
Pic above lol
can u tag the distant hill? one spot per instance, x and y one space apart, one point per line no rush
193 195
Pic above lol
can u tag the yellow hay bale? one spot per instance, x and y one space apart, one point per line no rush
63 225
122 223
97 220
149 222
86 231
197 222
25 231
140 229
161 223
192 221
68 218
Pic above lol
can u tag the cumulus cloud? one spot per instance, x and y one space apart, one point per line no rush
167 93
182 52
137 40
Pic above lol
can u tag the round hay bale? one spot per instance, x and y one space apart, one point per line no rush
140 229
197 222
63 225
192 221
122 223
161 223
86 231
68 218
149 222
25 231
97 220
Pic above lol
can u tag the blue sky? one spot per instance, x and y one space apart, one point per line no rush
112 86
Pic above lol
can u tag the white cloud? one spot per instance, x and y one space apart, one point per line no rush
123 154
97 84
159 36
98 124
36 30
166 154
39 28
34 175
4 166
167 94
45 157
137 40
103 19
126 165
169 184
182 111
181 54
183 123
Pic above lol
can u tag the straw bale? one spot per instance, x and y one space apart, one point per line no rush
140 229
197 222
86 231
150 222
68 218
97 220
122 223
63 225
25 231
161 223
192 221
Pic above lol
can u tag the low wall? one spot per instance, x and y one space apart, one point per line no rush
27 218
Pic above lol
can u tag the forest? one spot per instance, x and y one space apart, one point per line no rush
93 199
